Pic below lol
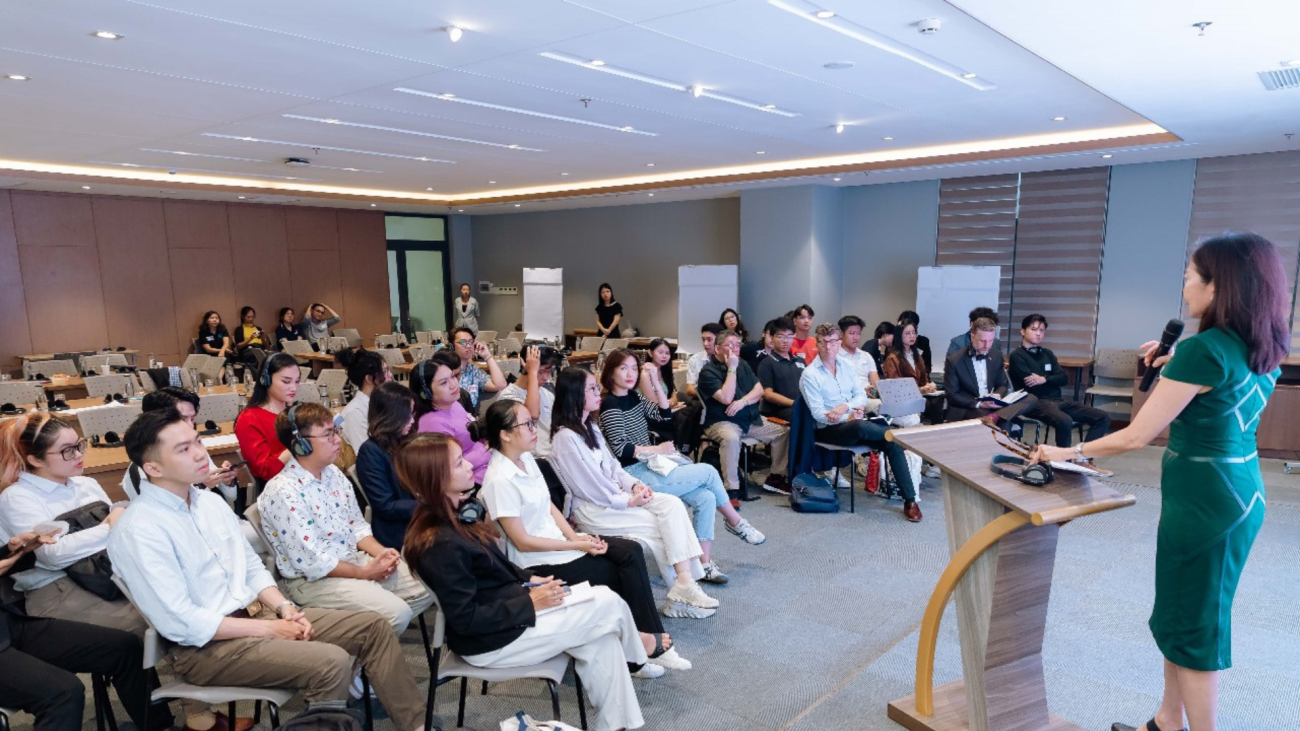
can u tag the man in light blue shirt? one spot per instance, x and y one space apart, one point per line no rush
833 393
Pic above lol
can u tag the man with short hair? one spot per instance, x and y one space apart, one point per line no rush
316 323
865 365
834 395
538 394
974 373
225 479
193 574
804 344
962 341
731 393
708 338
474 381
1036 370
779 373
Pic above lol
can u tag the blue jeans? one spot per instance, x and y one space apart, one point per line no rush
698 485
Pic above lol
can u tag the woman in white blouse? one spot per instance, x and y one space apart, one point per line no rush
466 310
609 501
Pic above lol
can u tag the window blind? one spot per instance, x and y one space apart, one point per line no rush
977 227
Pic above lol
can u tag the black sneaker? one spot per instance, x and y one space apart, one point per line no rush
777 484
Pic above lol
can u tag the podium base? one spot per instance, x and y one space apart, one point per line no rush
950 712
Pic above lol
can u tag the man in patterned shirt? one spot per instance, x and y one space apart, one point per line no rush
323 545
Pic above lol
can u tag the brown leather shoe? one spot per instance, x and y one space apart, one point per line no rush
912 511
243 723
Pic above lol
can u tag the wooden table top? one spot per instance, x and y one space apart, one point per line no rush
50 356
1067 362
72 383
963 449
580 357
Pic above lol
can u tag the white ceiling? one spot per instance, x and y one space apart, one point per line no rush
187 70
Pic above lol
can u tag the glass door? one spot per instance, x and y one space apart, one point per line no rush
419 273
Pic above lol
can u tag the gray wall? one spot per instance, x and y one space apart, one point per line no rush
889 231
637 249
1146 251
460 234
776 251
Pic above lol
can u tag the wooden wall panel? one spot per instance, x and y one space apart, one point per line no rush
48 219
311 229
64 298
15 338
202 280
363 259
196 225
137 279
260 252
316 277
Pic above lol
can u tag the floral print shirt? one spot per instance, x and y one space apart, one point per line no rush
311 524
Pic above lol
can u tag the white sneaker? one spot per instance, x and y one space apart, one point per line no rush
713 574
932 471
691 594
671 660
650 670
748 533
677 610
842 481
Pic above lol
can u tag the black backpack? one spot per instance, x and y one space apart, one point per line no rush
327 718
812 494
93 573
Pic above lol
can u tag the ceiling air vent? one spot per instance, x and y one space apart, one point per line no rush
1281 79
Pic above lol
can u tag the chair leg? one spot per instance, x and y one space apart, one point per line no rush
555 699
582 702
432 657
484 688
257 712
460 712
103 707
231 713
274 711
852 508
365 700
4 722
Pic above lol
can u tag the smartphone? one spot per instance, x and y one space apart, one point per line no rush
237 465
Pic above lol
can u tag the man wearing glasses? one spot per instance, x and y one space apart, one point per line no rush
323 545
316 323
474 380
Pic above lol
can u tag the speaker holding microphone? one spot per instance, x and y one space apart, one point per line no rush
1173 331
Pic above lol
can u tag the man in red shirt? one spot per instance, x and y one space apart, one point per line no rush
805 345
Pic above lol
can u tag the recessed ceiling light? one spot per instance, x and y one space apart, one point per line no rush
649 164
492 182
446 96
108 35
760 152
697 90
17 77
400 130
886 138
428 188
1107 156
824 14
597 62
835 179
454 32
226 173
372 205
460 210
651 195
351 170
768 106
563 173
518 204
315 146
969 75
516 110
85 187
839 128
241 197
1292 62
627 129
1058 119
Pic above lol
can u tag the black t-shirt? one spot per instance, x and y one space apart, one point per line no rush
712 376
781 375
211 339
606 313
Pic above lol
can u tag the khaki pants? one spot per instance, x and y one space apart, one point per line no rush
397 599
727 436
321 669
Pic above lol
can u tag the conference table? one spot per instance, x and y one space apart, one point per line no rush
1078 365
129 353
75 406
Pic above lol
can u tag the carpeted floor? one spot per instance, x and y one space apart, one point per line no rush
818 627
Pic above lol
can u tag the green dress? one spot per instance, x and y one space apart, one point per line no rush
1213 500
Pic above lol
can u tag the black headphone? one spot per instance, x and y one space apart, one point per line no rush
300 446
209 428
9 409
111 397
425 392
471 510
110 440
264 378
1034 475
58 404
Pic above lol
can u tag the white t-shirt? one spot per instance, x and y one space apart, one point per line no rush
864 364
356 421
694 365
515 392
509 492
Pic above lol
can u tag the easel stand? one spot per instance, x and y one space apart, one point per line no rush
1002 535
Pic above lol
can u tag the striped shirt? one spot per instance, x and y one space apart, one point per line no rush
625 421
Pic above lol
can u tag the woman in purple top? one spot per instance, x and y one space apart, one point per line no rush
436 383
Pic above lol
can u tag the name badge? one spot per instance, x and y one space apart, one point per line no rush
1047 367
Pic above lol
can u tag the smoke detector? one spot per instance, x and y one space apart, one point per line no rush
297 161
929 26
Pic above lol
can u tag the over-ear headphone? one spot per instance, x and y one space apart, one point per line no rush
300 446
471 510
264 378
210 427
1035 475
111 440
9 409
422 381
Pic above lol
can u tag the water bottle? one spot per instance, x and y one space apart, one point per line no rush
40 400
151 361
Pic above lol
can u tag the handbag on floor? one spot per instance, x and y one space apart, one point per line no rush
812 494
523 722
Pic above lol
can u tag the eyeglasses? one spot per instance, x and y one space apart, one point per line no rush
464 343
1010 443
327 434
787 336
73 451
593 388
836 341
531 424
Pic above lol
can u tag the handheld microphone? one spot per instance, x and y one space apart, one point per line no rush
1173 331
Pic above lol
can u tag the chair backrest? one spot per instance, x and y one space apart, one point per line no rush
210 371
118 383
20 393
90 364
392 356
615 344
304 375
350 334
679 381
337 343
421 352
98 421
309 392
297 347
49 367
154 644
590 344
219 407
1117 363
336 380
253 519
509 345
519 335
146 381
424 337
383 341
486 336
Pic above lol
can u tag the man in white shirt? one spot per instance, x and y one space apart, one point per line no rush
191 572
538 394
709 333
851 332
974 373
323 545
366 369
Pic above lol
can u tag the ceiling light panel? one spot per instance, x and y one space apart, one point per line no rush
343 123
452 98
315 146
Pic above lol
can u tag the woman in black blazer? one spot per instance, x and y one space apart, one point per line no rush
496 613
390 417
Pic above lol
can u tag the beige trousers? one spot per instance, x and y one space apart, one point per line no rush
397 599
727 436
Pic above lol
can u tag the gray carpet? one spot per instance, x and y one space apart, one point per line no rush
818 627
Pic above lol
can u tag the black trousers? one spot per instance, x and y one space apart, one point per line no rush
38 671
622 569
553 484
1063 415
871 434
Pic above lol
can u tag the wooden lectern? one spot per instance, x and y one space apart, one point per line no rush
1002 535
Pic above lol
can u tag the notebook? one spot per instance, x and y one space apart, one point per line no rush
578 593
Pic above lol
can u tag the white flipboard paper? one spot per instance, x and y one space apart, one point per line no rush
703 293
544 303
944 298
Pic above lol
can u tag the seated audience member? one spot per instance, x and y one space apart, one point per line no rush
288 328
731 394
494 610
922 342
1036 370
39 658
248 336
730 320
324 548
972 374
878 346
224 479
467 311
779 374
804 344
214 339
438 407
366 370
391 416
709 332
317 321
538 538
661 357
905 360
960 342
756 358
608 312
609 501
190 570
474 380
625 418
835 397
277 386
537 392
868 375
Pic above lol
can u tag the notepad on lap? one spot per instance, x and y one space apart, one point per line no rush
578 593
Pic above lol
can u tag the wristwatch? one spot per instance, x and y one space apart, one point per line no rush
279 610
1078 452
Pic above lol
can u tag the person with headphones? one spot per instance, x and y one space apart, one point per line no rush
438 407
324 548
277 386
499 615
224 478
366 370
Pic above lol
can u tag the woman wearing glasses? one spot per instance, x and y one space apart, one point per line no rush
539 539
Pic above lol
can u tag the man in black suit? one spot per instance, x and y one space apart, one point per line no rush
970 375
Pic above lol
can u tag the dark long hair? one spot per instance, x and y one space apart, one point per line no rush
739 329
391 405
665 370
614 361
279 319
423 466
1250 295
570 395
599 299
273 365
360 363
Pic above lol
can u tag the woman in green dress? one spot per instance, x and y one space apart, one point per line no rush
1210 395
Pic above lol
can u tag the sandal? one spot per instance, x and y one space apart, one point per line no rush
659 645
1148 726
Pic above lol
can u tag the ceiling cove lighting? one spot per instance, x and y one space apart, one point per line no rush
314 146
399 130
809 12
169 168
695 90
108 35
200 154
517 110
17 77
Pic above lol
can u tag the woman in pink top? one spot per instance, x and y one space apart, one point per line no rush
436 383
